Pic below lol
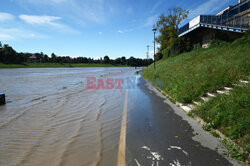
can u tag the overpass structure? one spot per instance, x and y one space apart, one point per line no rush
229 24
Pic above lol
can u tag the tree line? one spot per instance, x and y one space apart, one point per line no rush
9 56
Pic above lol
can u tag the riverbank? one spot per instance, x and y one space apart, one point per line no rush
189 76
53 65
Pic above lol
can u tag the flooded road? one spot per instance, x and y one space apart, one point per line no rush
52 119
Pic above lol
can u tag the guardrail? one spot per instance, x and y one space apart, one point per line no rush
222 20
232 17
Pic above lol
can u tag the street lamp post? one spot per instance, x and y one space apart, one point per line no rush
154 30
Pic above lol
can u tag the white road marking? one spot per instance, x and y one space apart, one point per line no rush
145 147
179 148
121 161
138 164
175 163
174 147
155 156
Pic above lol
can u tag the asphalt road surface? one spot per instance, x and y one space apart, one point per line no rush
158 133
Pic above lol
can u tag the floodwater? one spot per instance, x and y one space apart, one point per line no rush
51 118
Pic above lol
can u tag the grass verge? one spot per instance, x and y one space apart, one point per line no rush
230 114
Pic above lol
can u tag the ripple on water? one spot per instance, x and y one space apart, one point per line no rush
74 126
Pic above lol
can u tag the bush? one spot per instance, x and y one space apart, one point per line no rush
166 53
158 56
216 43
180 45
197 46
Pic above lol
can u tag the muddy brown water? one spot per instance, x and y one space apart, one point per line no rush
51 118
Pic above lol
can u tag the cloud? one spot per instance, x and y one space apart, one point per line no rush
151 21
6 17
58 1
209 7
42 1
81 12
7 34
120 31
32 19
47 20
157 47
5 37
124 31
155 7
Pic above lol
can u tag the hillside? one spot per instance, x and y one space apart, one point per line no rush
189 76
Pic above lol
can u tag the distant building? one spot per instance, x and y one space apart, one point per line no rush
229 24
33 58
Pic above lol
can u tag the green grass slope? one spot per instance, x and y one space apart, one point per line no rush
190 75
231 115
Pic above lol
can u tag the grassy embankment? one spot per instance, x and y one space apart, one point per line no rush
52 65
189 76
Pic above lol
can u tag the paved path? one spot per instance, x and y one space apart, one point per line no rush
157 136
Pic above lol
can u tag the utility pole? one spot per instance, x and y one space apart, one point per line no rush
147 51
154 30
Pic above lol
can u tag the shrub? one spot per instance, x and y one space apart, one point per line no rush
158 56
216 43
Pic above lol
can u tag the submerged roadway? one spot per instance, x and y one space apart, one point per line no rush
155 132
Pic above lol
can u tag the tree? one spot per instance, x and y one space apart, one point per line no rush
9 55
53 58
106 59
168 26
117 61
158 56
45 58
132 61
123 60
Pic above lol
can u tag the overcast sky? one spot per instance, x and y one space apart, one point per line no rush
90 28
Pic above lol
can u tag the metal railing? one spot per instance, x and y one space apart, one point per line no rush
233 18
233 21
242 22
